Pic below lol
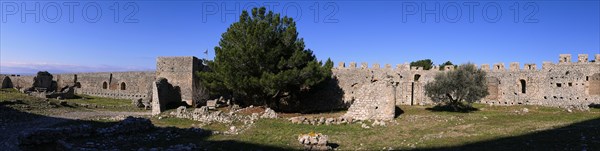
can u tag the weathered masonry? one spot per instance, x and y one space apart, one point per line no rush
181 81
373 92
179 71
370 90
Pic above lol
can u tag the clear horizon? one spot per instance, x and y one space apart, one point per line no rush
63 37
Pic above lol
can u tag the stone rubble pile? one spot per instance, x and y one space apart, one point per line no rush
314 141
269 113
141 103
128 125
576 107
322 120
217 103
130 130
204 115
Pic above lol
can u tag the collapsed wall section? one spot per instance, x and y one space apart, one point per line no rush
374 92
21 82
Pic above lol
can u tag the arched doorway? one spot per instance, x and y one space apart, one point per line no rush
123 86
104 85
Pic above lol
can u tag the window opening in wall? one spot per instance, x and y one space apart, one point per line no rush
417 76
558 85
123 86
104 85
523 86
570 84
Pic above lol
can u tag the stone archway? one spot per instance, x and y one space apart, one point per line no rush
123 86
6 83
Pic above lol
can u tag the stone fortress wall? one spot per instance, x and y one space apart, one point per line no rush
373 93
121 85
371 90
179 71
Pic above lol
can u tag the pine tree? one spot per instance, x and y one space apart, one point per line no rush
261 60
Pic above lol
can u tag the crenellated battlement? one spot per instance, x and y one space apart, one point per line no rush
498 67
581 58
564 59
530 67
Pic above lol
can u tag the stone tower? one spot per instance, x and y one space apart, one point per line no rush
180 72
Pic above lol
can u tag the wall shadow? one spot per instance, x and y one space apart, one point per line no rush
6 83
578 136
19 126
450 108
398 111
326 96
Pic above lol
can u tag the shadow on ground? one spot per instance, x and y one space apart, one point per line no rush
452 108
15 123
578 136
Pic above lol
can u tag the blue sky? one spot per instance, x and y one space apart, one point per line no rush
394 32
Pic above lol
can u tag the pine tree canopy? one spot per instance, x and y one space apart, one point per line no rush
260 59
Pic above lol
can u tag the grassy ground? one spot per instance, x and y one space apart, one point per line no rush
102 103
489 128
23 102
498 127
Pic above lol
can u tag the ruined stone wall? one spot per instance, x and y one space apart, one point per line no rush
180 72
375 92
122 85
21 82
558 85
5 82
409 82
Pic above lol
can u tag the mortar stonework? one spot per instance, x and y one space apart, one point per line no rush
557 85
373 92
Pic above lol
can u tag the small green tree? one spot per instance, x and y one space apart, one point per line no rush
261 60
452 88
425 63
444 65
